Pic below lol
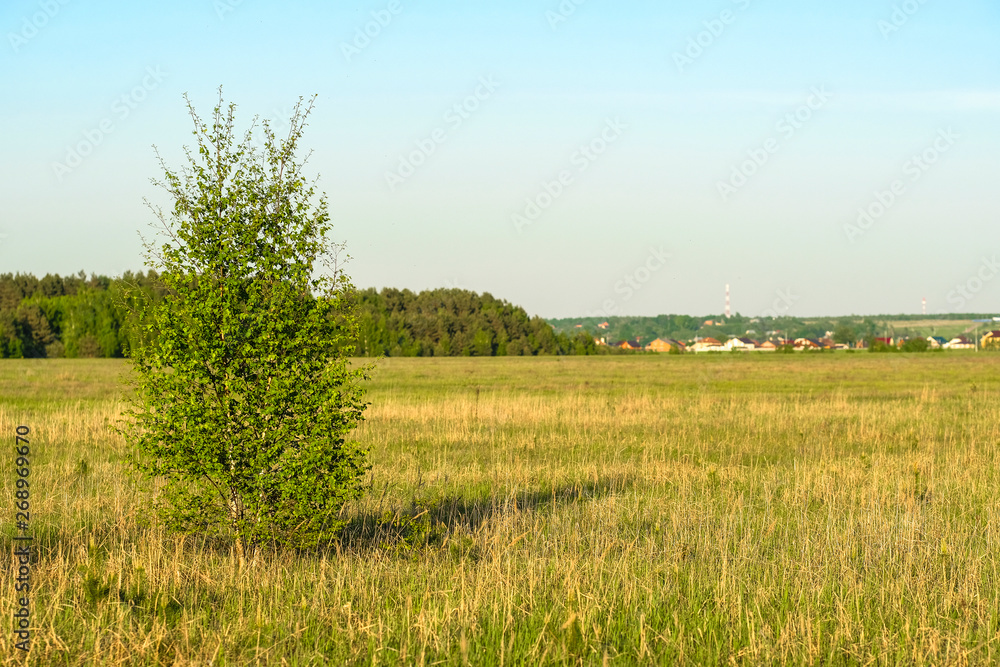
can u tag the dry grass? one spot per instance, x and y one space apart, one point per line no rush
792 509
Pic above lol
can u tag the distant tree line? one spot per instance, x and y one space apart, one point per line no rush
846 329
454 323
77 316
80 316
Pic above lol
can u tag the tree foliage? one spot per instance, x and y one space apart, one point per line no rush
244 395
916 345
844 333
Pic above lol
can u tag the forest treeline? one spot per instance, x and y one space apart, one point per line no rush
455 322
77 316
73 316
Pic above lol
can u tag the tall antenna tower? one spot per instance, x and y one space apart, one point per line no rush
727 302
925 306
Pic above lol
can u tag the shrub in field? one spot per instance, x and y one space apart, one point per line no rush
916 345
879 346
244 397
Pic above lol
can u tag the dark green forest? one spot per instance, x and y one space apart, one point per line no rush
77 316
73 316
454 322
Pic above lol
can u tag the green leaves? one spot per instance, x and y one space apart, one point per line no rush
243 404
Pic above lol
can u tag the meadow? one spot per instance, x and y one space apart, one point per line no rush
808 509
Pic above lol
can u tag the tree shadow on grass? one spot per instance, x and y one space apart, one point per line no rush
430 521
425 521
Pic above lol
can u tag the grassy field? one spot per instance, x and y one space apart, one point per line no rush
722 510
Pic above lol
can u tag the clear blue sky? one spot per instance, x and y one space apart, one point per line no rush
698 172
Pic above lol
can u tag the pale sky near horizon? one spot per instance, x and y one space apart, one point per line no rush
576 157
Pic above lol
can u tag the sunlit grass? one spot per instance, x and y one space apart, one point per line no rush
799 509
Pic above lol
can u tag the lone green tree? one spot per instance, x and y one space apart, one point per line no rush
244 395
845 334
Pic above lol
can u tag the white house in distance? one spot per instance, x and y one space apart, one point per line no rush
743 344
960 343
936 342
707 345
